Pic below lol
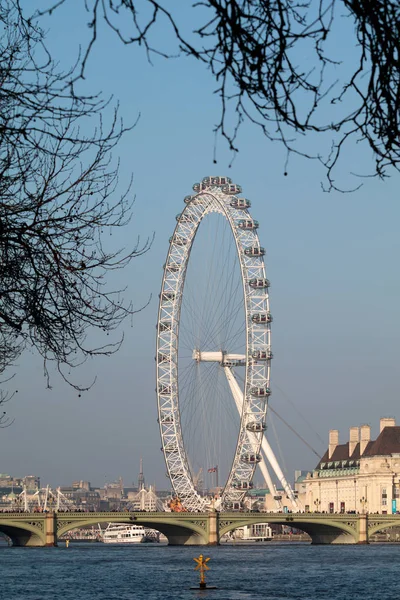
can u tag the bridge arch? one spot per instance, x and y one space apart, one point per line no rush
324 531
177 531
23 533
378 526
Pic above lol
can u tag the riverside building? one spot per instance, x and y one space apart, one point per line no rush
361 475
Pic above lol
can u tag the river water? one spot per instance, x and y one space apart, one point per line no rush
272 571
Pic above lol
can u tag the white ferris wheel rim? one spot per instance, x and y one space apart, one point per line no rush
214 196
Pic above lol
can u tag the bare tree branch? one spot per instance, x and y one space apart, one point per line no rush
59 204
274 66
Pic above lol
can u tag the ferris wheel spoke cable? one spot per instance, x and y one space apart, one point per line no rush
295 432
300 414
191 401
186 378
192 315
190 311
233 302
227 321
211 287
198 391
282 460
222 418
235 294
230 302
218 297
239 333
292 429
216 332
222 412
202 424
209 389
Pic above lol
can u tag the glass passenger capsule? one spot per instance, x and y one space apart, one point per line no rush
168 296
243 485
165 325
251 458
172 267
216 180
171 447
184 218
248 224
262 318
231 188
167 418
259 283
178 240
199 187
256 426
187 199
262 354
162 358
260 392
164 389
255 251
233 363
240 203
234 506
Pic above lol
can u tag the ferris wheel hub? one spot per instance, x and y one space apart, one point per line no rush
224 358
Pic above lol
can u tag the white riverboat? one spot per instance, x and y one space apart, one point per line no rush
128 534
260 532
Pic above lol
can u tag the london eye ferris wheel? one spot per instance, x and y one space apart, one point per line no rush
214 349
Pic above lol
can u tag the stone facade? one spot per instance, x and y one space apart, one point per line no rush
359 476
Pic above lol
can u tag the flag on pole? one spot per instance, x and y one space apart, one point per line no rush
213 470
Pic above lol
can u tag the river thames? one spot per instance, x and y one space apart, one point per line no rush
157 572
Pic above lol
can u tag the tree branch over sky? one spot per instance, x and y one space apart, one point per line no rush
276 64
59 201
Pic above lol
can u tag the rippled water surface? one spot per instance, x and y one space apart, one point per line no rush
270 571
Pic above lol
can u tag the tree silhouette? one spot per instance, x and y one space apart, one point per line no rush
58 201
276 64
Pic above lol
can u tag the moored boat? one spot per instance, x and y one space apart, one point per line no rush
260 532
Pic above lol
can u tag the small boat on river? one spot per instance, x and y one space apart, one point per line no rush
260 532
128 534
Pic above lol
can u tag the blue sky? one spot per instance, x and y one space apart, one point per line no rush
332 260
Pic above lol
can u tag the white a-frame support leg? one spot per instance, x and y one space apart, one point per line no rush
265 447
238 397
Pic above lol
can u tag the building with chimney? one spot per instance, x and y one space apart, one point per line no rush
361 475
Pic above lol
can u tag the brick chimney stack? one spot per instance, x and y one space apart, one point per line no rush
333 441
353 439
365 437
386 422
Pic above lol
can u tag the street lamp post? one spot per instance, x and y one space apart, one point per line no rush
363 501
355 494
317 502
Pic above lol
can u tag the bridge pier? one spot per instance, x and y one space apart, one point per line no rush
363 529
213 529
180 536
50 529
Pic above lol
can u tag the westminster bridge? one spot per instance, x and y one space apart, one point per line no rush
44 529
